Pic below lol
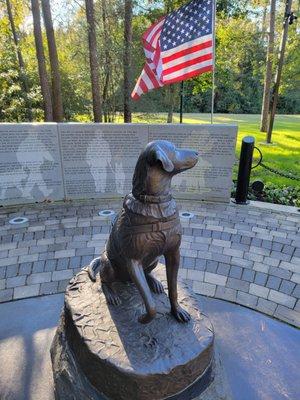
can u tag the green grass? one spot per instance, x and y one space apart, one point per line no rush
282 154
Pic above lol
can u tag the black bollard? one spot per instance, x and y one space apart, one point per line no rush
244 170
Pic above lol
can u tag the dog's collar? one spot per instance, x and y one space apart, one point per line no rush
144 198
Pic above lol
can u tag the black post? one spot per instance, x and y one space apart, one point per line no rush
244 170
181 102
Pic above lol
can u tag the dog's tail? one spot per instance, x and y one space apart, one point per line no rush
93 268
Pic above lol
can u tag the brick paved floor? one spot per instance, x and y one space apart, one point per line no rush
244 254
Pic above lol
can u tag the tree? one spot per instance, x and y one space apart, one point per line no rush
127 59
40 55
22 72
58 112
94 66
269 66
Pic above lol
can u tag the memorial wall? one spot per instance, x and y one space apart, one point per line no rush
48 161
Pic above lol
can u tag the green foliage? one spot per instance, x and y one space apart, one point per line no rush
286 195
240 60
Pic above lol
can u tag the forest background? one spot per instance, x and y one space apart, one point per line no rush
242 32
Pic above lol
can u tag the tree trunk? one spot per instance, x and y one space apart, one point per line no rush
22 72
107 68
40 55
171 90
94 66
58 112
269 65
127 60
275 91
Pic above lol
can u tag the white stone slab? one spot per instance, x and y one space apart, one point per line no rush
211 178
30 164
99 159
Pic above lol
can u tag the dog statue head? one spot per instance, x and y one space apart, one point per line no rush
157 164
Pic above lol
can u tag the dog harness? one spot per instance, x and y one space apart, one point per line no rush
157 226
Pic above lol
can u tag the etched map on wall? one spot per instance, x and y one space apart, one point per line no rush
99 159
211 178
30 165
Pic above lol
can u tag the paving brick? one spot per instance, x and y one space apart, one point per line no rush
296 291
25 268
183 252
199 246
2 272
273 282
226 293
22 292
189 262
18 252
248 275
281 298
50 265
281 273
195 275
39 278
287 287
15 281
211 266
290 266
6 295
64 253
266 306
200 264
253 257
260 278
223 269
235 272
11 271
46 256
62 263
238 284
61 275
273 262
295 278
246 299
206 289
280 256
288 315
258 290
28 258
215 279
85 260
8 261
62 285
38 266
259 250
288 249
182 273
220 258
260 267
49 288
75 262
233 253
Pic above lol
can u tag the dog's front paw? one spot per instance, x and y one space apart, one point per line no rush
146 318
180 314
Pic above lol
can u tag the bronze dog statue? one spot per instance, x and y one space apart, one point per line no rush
147 227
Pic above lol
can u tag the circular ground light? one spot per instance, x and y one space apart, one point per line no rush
186 215
106 213
18 221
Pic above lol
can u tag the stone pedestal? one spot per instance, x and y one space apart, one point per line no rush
102 352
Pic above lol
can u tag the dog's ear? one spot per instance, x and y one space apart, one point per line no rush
157 154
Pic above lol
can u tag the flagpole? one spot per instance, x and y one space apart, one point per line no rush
214 61
181 101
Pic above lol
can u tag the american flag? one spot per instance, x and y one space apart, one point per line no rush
177 47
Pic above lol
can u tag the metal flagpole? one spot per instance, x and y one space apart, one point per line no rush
214 60
181 101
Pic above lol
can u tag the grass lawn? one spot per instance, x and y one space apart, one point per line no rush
282 154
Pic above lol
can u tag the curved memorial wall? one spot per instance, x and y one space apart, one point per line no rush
51 162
